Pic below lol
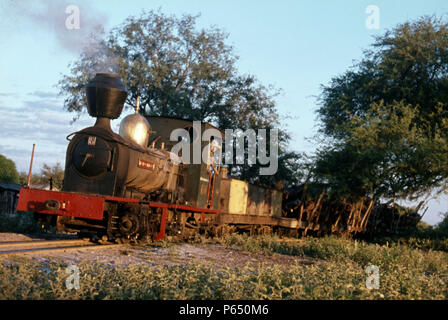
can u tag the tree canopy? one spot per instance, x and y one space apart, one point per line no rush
8 170
179 70
407 64
385 119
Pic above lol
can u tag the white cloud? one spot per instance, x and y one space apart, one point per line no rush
43 94
40 121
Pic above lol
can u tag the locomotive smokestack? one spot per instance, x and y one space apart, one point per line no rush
106 96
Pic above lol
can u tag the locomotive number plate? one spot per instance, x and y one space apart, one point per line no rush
91 141
146 165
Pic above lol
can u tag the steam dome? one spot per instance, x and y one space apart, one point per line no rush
136 128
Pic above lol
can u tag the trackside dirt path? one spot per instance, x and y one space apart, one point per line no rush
173 254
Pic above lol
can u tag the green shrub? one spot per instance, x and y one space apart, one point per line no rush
339 272
331 280
442 227
22 222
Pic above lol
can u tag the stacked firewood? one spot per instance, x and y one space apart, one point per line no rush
319 213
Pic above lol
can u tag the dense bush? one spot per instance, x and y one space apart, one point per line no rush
442 228
22 222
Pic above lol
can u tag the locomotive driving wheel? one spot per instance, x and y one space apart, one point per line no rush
129 225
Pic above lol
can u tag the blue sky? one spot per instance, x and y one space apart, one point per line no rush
294 45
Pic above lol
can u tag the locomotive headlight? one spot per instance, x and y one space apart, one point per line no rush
136 128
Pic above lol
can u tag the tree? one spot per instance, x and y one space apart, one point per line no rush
442 226
56 173
35 179
8 171
407 64
177 71
385 156
385 120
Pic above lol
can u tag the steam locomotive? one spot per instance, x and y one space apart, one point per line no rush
130 186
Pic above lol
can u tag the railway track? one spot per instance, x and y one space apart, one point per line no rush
47 246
